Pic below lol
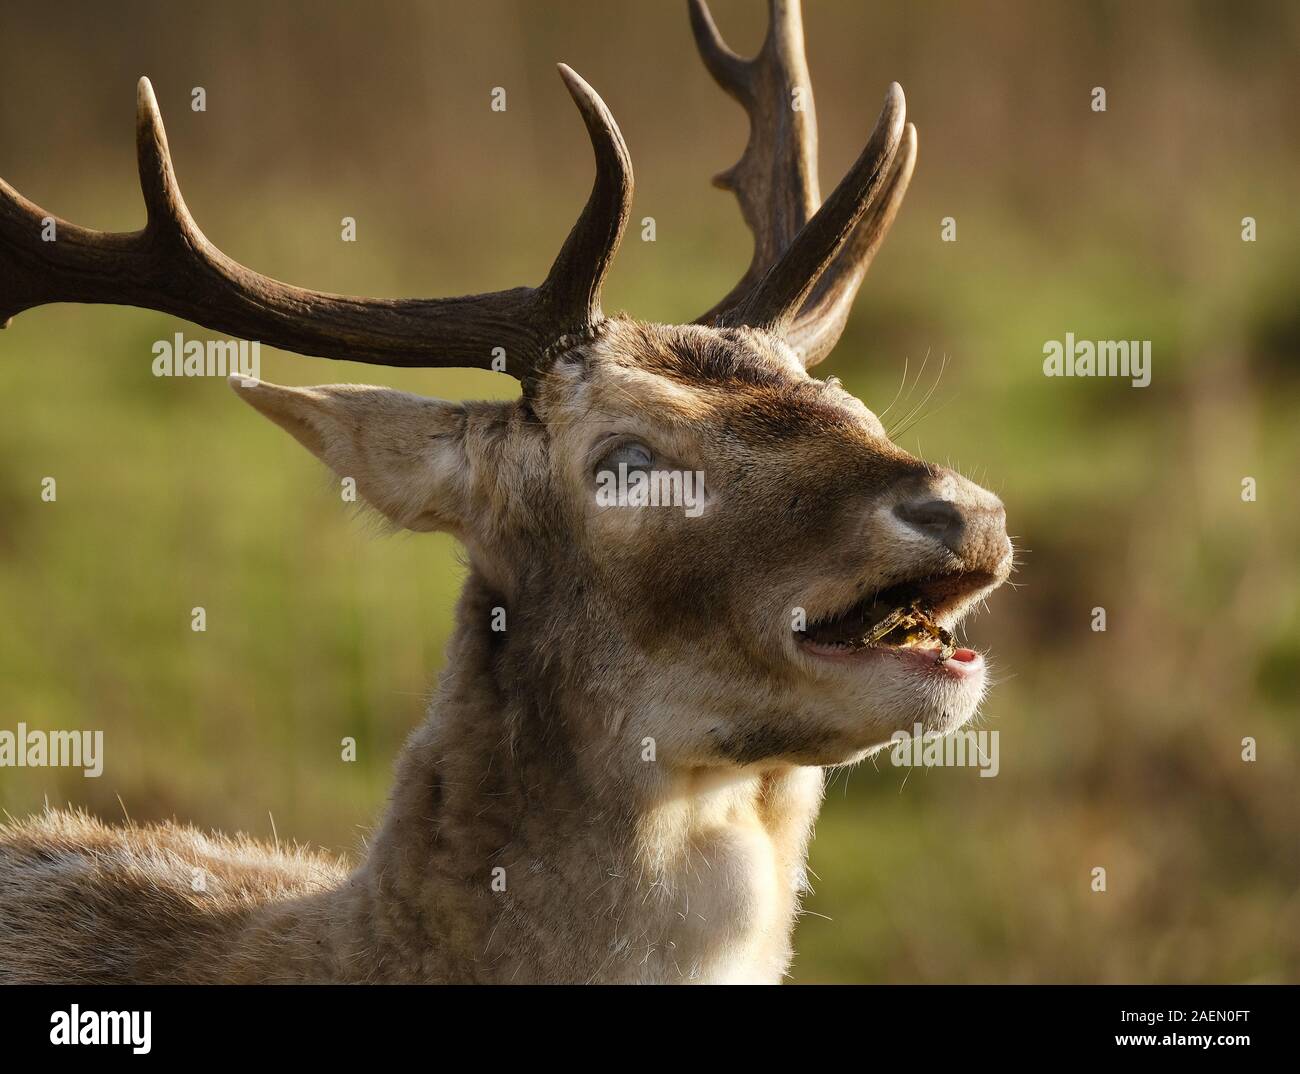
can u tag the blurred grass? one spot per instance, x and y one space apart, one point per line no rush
1119 749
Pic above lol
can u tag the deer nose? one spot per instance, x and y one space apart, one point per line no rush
941 519
975 531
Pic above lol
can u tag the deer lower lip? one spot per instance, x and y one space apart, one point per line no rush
963 664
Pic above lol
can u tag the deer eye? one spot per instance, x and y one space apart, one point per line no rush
630 453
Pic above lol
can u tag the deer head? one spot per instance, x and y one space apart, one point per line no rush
801 613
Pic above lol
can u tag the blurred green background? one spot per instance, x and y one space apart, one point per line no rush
1119 749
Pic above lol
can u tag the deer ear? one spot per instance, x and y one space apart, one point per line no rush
406 453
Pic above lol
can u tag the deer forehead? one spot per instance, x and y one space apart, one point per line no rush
694 386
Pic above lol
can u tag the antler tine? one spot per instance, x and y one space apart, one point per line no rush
729 70
164 207
574 282
171 266
808 262
817 327
775 180
777 298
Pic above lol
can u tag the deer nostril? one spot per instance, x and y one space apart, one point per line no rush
935 518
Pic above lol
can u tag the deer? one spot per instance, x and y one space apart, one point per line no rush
621 785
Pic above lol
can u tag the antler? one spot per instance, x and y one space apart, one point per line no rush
172 267
808 261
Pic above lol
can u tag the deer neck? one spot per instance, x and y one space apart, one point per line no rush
518 846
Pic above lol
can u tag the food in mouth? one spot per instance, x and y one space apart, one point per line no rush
891 619
909 627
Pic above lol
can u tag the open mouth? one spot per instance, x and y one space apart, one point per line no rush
905 616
